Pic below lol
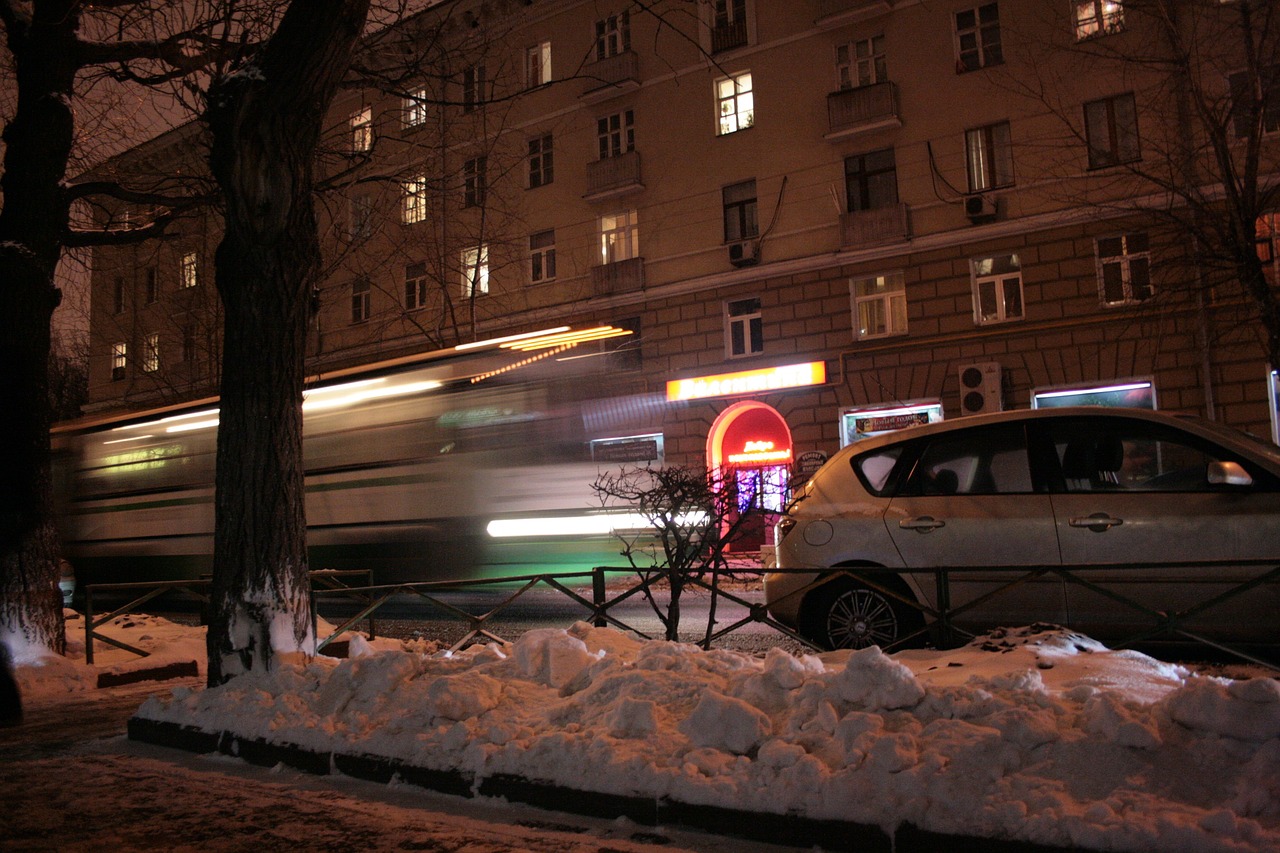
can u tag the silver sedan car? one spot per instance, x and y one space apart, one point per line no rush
1120 523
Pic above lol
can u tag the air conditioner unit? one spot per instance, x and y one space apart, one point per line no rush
980 208
980 388
744 254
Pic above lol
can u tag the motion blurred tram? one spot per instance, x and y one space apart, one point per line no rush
476 461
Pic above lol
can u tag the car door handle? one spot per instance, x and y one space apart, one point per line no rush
1099 522
923 523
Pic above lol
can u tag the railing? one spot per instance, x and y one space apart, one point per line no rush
863 228
862 109
618 277
612 72
611 176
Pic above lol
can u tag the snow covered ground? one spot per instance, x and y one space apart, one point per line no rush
1034 733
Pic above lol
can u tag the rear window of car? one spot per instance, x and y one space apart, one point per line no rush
874 468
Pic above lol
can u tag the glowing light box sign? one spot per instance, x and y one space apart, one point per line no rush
1273 385
748 381
1135 394
864 421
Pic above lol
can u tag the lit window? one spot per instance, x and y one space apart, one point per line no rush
871 180
473 88
190 269
538 65
1124 269
613 35
542 256
361 301
1111 128
744 328
475 271
151 352
473 182
978 38
989 155
997 289
861 63
414 196
619 237
616 134
119 360
1098 17
415 286
541 161
740 212
361 131
414 108
735 103
879 306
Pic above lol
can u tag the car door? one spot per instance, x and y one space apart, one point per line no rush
1138 495
970 503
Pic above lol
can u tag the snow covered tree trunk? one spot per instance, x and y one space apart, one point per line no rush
37 145
265 122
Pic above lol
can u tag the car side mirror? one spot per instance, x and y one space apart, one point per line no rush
1228 474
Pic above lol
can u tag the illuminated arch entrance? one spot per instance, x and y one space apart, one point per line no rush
750 446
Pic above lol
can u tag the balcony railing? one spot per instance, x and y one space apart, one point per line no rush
618 277
613 176
866 108
875 227
606 77
728 36
833 12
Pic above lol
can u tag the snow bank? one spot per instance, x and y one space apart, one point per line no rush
1036 734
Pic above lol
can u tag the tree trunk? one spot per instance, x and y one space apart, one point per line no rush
32 224
265 122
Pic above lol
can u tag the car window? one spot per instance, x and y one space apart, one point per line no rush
1107 454
874 468
989 460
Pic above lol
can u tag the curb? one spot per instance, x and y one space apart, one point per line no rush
784 829
181 669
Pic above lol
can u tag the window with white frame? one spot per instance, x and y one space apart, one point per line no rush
1098 17
1260 92
1111 131
190 269
537 65
475 271
542 256
414 108
473 88
871 180
361 130
1124 268
541 161
744 328
989 157
613 35
473 181
151 353
735 104
740 221
361 301
413 195
879 305
728 24
619 237
119 360
861 63
415 286
360 216
616 134
997 289
978 38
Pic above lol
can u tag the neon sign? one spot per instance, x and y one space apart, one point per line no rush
760 452
748 381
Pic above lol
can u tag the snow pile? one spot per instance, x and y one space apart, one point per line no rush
1035 734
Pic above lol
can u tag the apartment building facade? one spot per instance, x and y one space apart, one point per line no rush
815 218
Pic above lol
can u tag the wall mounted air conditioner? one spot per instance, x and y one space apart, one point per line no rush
980 388
744 254
980 208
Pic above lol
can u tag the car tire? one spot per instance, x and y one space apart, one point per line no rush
844 614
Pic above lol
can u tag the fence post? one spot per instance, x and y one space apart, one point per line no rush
944 608
88 625
598 595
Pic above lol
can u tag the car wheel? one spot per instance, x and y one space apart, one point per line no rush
843 614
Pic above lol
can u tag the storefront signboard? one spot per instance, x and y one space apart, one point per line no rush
859 422
748 381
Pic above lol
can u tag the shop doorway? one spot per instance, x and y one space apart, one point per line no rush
750 447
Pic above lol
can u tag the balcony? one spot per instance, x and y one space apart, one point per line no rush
834 13
613 176
611 76
618 277
862 110
728 36
865 228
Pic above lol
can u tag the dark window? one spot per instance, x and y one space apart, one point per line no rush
616 134
978 37
740 212
1111 128
871 180
360 301
541 162
542 256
